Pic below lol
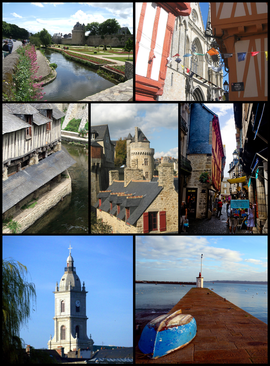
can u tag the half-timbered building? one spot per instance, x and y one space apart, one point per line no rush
32 161
154 29
241 30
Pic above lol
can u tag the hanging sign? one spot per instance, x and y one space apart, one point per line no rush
237 86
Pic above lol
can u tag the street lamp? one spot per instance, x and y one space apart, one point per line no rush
226 90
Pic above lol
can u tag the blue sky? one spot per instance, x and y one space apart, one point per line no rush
159 123
104 263
179 258
227 128
61 17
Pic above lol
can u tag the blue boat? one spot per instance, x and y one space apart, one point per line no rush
167 333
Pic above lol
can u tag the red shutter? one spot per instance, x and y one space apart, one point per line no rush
145 222
162 220
99 202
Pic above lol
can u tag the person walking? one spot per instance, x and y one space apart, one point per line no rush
219 205
232 221
5 48
10 44
183 215
251 218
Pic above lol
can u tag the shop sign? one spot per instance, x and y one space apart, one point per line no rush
239 204
237 86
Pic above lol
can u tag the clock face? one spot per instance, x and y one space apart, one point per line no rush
78 303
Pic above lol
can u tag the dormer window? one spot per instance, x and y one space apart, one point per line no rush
127 213
28 131
118 209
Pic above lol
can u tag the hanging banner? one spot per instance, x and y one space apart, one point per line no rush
213 52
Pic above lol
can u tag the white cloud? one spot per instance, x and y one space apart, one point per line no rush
16 15
172 152
38 4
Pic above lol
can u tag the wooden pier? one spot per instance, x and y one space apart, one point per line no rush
225 333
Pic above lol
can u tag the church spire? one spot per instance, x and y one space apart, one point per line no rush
70 261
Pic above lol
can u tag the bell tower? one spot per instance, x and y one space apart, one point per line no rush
70 320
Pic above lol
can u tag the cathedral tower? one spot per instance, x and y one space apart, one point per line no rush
70 312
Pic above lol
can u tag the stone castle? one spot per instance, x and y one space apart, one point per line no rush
79 38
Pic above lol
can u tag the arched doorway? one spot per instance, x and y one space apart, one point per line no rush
198 96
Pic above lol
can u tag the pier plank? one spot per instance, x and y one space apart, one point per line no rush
231 335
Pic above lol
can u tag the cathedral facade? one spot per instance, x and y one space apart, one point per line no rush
70 320
191 74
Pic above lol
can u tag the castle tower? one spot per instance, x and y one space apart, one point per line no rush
70 320
78 34
140 155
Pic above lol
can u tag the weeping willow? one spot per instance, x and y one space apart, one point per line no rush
17 294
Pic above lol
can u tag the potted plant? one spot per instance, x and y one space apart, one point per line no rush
205 178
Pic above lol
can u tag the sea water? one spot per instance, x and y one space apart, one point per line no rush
249 297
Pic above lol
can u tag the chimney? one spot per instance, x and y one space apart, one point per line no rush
60 351
165 176
132 174
113 175
136 134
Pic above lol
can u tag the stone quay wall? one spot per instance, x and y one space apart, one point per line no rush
48 200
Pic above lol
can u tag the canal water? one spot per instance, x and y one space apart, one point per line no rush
74 80
69 216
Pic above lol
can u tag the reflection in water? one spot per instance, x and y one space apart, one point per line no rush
69 216
74 81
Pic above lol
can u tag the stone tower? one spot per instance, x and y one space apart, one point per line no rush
139 154
70 320
78 34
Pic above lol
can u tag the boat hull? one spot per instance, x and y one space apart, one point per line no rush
166 334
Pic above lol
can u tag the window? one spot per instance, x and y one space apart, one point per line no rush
48 126
118 209
152 221
127 213
77 331
63 332
146 175
49 113
62 306
77 309
28 131
146 162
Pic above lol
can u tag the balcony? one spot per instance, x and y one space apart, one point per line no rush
183 125
185 164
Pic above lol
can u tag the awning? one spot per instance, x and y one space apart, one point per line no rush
237 180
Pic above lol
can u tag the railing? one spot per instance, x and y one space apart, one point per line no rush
70 269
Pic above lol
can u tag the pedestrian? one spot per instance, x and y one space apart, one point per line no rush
23 42
251 218
228 210
183 215
219 204
10 44
232 221
5 48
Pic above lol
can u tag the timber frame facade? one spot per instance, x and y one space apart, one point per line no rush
243 27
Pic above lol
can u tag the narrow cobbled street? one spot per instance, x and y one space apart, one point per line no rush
212 226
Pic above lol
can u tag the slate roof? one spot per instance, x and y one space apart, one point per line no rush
100 130
23 183
117 353
10 122
13 123
144 193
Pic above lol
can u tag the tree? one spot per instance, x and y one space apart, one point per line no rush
93 28
129 46
45 37
35 41
16 296
99 227
110 26
120 152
